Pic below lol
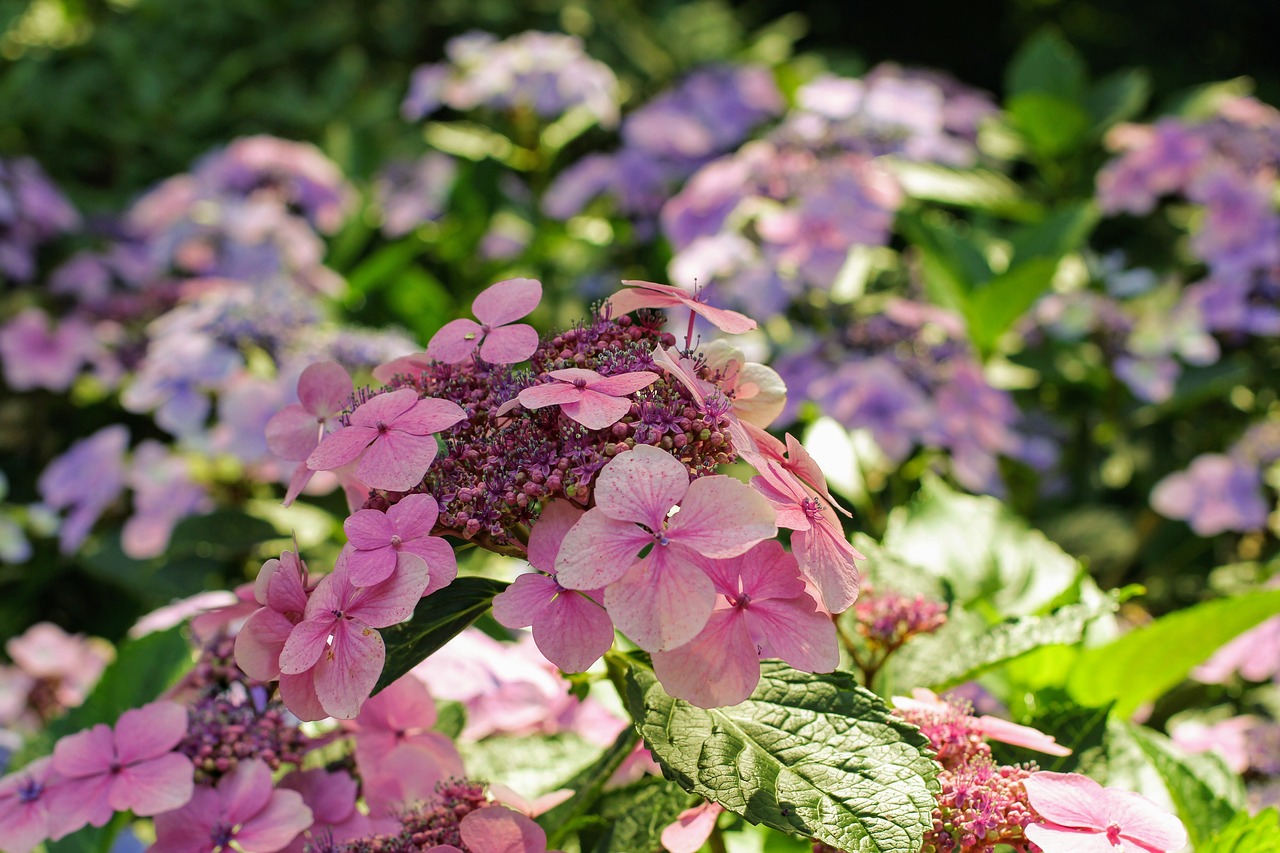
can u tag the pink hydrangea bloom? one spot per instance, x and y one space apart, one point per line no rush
757 391
164 493
35 356
1228 739
1077 815
402 715
293 432
663 600
819 543
763 611
72 662
281 589
498 830
381 542
334 654
242 809
647 294
498 337
569 627
29 811
592 400
393 437
129 768
331 797
1255 654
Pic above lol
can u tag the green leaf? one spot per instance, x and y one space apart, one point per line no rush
977 189
1083 730
637 814
1206 794
997 304
1142 665
587 786
1247 833
451 718
949 657
222 533
1118 97
981 550
438 618
1051 124
813 755
1062 231
531 764
1047 63
952 264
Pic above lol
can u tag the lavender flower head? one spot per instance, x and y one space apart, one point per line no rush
32 212
1223 492
409 194
85 481
547 74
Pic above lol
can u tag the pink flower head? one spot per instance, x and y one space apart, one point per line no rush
281 589
292 433
29 812
764 611
334 654
392 436
646 294
383 541
403 714
987 726
499 338
663 600
569 628
243 810
759 395
819 543
592 400
72 662
131 768
1077 815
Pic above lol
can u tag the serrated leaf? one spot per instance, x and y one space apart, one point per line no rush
1142 665
1206 794
981 550
950 657
637 814
813 755
1246 833
437 619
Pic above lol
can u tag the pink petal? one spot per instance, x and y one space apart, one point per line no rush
784 494
500 830
574 374
442 563
301 477
1144 821
324 388
794 630
549 531
644 294
306 644
151 730
624 383
1068 799
85 753
1057 839
151 787
404 704
414 515
393 600
340 447
509 344
507 301
766 571
428 415
406 365
662 602
298 692
572 631
286 587
994 728
244 791
724 319
187 830
260 642
828 560
519 604
279 822
333 592
387 408
692 828
721 517
597 411
716 668
330 796
598 550
641 485
75 802
549 394
23 827
366 568
455 341
346 676
292 433
397 461
369 529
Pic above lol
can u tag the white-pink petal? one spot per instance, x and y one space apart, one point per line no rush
572 631
716 668
507 301
598 550
663 601
721 517
641 485
509 344
455 341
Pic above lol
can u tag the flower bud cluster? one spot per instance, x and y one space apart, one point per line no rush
423 827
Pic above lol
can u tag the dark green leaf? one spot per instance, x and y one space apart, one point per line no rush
1047 63
1083 730
637 814
1062 231
1247 833
1118 97
999 302
813 755
226 532
438 618
1141 665
1051 124
1206 794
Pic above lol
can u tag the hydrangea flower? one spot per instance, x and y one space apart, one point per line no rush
1077 815
497 337
37 356
647 294
381 543
324 388
592 400
402 715
29 808
1216 494
281 589
64 484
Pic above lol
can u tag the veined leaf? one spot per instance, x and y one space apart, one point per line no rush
813 755
1247 833
637 814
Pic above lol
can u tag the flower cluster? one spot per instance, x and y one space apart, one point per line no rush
32 212
1221 492
51 672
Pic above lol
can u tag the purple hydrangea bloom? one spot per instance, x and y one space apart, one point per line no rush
85 481
37 356
32 212
163 495
174 378
1216 494
410 194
